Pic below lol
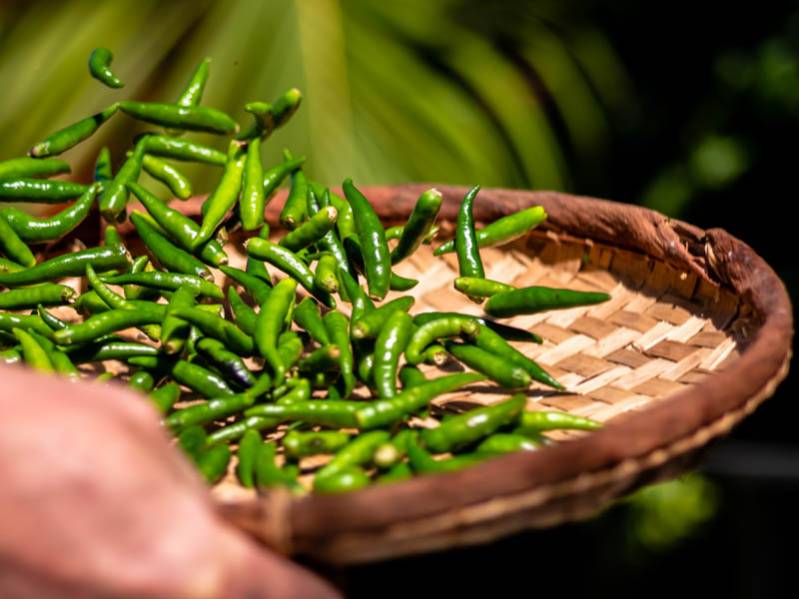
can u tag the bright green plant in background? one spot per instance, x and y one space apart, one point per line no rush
447 91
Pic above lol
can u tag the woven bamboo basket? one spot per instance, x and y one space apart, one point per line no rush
696 335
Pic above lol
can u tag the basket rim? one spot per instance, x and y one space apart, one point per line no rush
713 255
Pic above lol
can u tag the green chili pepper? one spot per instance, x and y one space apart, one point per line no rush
370 324
68 265
469 262
223 198
275 176
180 149
311 231
301 445
102 166
251 205
320 360
33 353
347 479
37 230
50 191
165 280
267 474
357 452
10 356
174 330
142 381
180 227
111 350
247 452
300 392
165 397
397 473
459 431
325 276
104 323
236 430
325 412
242 313
167 174
200 380
295 209
530 300
72 135
218 328
396 282
288 262
214 409
268 117
533 423
115 194
270 323
100 68
390 344
418 226
503 230
225 361
140 264
385 412
411 376
193 92
307 317
476 287
337 327
13 246
507 443
377 262
27 322
330 241
256 287
29 297
366 363
361 304
494 343
53 322
497 368
213 463
169 255
190 118
7 266
437 329
507 332
423 463
24 167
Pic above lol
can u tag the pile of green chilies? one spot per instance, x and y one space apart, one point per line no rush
284 373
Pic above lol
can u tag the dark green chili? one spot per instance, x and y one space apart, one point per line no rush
503 230
53 322
72 135
69 265
214 409
27 322
256 287
361 304
37 230
337 327
437 329
295 209
213 463
115 193
190 118
200 380
275 175
418 226
325 412
111 350
102 166
174 330
223 198
100 68
411 376
311 231
242 313
371 235
530 300
507 332
469 261
218 328
320 360
270 322
225 361
497 368
423 463
168 255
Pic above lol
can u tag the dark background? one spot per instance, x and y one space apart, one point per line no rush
691 108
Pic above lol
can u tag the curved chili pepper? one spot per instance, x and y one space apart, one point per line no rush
174 330
193 92
223 198
463 429
419 224
180 149
246 454
275 176
307 317
320 360
497 368
372 236
167 174
38 230
111 350
325 277
384 412
115 193
72 135
142 381
68 265
469 262
423 463
104 323
370 324
100 68
411 376
13 247
330 241
33 353
165 397
224 404
50 191
256 287
53 322
361 303
435 330
503 230
168 255
355 255
311 231
164 280
390 344
357 452
225 361
218 328
200 380
268 475
190 118
102 166
242 313
476 287
507 332
530 300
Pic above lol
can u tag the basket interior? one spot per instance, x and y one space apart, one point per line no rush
662 331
